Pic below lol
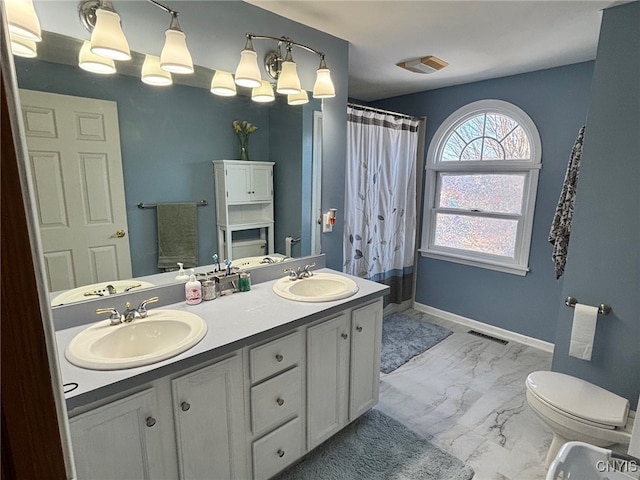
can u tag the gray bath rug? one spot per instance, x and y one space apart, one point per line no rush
405 335
376 447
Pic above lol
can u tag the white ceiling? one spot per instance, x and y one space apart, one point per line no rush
479 39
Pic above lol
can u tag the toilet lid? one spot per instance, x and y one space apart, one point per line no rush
579 398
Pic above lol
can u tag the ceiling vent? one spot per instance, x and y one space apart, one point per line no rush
428 64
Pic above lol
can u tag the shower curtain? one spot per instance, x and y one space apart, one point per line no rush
380 200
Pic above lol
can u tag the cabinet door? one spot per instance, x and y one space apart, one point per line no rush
120 440
327 378
209 419
262 178
366 335
238 183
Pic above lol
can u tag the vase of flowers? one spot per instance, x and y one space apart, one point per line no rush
242 130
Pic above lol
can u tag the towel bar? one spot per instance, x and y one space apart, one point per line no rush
603 309
201 203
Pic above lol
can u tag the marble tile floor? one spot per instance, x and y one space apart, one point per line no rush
466 395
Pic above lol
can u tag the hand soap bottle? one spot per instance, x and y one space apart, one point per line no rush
182 276
193 290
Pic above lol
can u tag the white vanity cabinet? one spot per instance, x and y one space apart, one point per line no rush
343 365
138 437
244 201
276 404
120 440
209 421
246 415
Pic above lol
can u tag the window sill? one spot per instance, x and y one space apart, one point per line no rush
474 262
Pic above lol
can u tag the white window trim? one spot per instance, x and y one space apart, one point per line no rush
519 265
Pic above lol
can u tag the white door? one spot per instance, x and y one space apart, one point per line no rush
120 440
316 186
327 378
74 151
209 419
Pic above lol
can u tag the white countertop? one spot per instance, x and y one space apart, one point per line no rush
233 321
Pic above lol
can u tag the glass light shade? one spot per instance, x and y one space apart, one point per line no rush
248 72
107 38
89 61
23 47
222 84
152 74
323 87
22 19
288 81
263 94
298 98
175 56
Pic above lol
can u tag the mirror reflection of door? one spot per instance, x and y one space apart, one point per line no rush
316 187
76 166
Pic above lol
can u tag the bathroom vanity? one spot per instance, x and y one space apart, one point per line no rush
271 380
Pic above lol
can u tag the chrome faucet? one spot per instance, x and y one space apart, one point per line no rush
300 272
129 314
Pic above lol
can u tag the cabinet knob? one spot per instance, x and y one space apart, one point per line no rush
344 335
150 422
280 453
280 401
185 406
359 328
279 357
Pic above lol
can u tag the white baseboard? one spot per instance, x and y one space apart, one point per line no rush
485 328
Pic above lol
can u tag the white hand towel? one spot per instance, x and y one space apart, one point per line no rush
583 331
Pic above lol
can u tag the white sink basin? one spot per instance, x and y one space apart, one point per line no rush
161 335
321 287
88 292
250 262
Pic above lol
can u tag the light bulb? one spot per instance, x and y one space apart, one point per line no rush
222 84
152 74
23 47
248 72
175 56
89 61
23 20
298 98
263 94
107 38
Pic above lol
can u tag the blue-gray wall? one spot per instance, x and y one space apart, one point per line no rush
557 101
603 265
215 36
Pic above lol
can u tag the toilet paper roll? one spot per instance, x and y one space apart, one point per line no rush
583 331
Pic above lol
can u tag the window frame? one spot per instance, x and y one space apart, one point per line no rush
435 168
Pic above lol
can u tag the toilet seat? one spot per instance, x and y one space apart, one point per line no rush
579 400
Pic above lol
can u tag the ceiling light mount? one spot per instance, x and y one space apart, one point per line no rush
87 13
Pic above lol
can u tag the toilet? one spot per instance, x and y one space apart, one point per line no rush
576 410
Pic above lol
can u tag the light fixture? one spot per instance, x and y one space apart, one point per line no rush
152 74
223 84
263 94
284 71
107 37
89 61
288 81
175 56
23 20
323 88
247 72
298 98
23 47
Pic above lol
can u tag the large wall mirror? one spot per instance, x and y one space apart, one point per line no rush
168 138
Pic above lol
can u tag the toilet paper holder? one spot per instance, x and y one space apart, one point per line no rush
603 309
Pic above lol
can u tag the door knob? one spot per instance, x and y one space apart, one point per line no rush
120 233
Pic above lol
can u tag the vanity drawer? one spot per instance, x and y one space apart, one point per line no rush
274 357
275 400
275 451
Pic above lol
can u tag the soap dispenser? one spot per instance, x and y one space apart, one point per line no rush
182 275
193 290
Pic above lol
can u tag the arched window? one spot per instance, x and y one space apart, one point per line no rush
482 176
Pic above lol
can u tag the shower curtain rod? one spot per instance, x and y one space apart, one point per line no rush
379 110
